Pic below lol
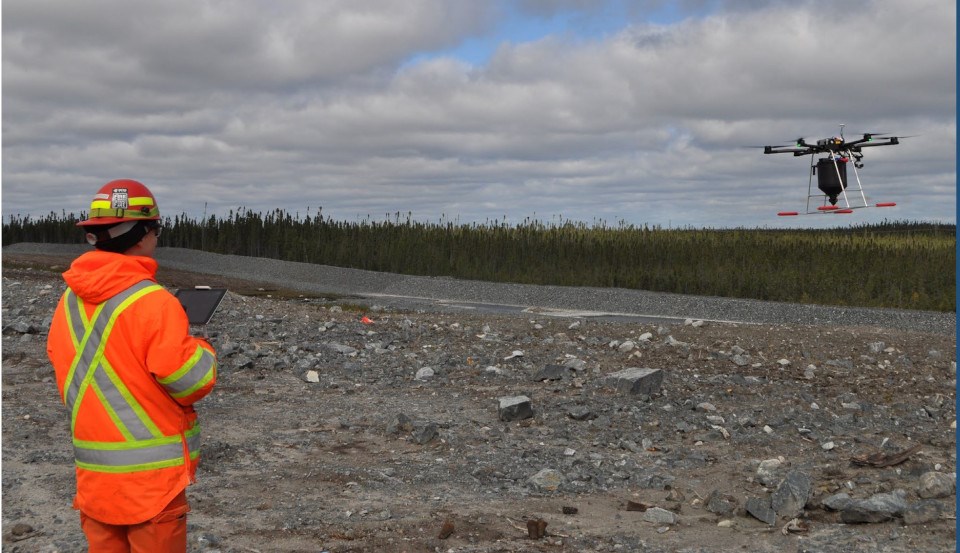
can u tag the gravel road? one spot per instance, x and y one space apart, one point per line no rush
448 294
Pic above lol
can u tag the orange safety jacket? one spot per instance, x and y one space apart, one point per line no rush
129 372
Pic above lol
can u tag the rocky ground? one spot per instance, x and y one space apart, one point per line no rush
420 431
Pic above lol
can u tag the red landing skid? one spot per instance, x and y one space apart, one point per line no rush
834 209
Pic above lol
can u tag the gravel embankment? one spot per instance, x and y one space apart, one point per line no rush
437 292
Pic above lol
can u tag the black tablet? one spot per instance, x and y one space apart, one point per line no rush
200 303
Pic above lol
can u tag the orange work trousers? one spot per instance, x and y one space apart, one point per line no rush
164 533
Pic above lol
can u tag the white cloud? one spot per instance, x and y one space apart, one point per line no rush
297 104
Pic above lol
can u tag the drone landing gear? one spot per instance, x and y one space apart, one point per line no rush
832 185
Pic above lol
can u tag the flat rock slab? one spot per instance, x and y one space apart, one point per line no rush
759 508
637 381
792 494
515 408
551 372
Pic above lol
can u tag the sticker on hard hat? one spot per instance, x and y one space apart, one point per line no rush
120 199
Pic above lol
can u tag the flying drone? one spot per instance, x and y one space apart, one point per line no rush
831 170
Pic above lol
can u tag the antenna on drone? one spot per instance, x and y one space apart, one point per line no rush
842 125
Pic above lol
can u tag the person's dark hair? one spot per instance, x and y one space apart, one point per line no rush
105 237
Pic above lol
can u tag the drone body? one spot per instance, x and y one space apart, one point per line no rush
831 170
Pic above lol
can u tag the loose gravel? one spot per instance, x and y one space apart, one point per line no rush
396 430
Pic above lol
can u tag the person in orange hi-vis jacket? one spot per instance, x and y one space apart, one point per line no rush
129 372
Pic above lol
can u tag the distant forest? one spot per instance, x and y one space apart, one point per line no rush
901 264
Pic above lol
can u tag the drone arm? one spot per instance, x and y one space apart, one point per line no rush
858 141
794 151
859 144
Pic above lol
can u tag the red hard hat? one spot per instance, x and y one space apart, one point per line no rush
122 200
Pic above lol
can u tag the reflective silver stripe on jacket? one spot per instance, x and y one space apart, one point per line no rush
93 336
197 371
120 457
127 457
75 315
114 398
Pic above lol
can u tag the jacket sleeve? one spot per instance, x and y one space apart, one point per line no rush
185 366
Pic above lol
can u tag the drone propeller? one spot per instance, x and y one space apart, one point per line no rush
872 135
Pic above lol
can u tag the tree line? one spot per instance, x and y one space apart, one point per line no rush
898 264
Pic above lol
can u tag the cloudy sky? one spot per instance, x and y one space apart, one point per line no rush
460 110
